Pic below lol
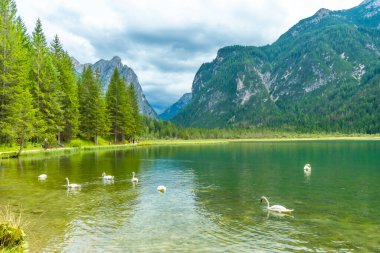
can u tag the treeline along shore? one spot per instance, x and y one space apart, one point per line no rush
43 102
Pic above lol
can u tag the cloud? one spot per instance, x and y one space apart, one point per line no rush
166 41
164 89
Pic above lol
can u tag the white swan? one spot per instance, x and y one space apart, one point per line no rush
107 177
276 208
161 188
42 177
134 179
72 186
307 168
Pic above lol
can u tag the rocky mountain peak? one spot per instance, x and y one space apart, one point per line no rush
308 78
371 3
106 69
116 59
370 10
322 12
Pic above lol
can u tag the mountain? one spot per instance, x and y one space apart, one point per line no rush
322 74
177 107
106 69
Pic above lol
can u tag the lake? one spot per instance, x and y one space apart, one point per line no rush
212 203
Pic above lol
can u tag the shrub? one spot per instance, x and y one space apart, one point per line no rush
12 237
76 143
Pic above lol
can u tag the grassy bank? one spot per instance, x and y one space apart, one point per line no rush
78 145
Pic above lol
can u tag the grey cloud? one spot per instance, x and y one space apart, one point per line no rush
165 49
178 40
169 50
170 64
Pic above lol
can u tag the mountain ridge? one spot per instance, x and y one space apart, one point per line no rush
325 60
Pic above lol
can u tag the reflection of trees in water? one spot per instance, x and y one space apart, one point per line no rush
54 214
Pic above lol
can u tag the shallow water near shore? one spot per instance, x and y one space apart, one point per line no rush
212 203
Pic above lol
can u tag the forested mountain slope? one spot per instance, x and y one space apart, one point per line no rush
323 74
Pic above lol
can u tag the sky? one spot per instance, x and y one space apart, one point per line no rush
165 42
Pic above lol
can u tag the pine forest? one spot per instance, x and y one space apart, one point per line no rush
45 103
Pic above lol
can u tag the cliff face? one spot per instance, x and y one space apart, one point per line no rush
106 69
308 79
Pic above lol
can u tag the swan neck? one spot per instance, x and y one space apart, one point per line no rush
266 200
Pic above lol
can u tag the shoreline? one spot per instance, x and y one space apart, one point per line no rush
27 152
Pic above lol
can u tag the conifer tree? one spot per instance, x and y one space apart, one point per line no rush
120 113
69 94
137 124
20 125
16 111
45 88
25 38
93 115
129 125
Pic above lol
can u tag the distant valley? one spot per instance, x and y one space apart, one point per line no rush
176 108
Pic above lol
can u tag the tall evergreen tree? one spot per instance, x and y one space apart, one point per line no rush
45 88
69 95
137 124
16 111
119 109
25 36
20 125
93 115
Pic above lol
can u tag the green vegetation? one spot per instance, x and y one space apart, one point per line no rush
69 95
12 236
320 76
166 130
120 109
92 107
41 102
247 92
16 111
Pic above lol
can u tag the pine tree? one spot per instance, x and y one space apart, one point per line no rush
69 98
20 125
25 36
93 115
137 124
16 111
45 88
120 112
128 129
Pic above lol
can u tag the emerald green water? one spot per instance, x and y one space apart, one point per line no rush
212 199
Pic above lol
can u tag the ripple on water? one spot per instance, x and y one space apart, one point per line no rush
211 204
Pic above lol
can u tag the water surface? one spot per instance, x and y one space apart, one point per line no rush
212 202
